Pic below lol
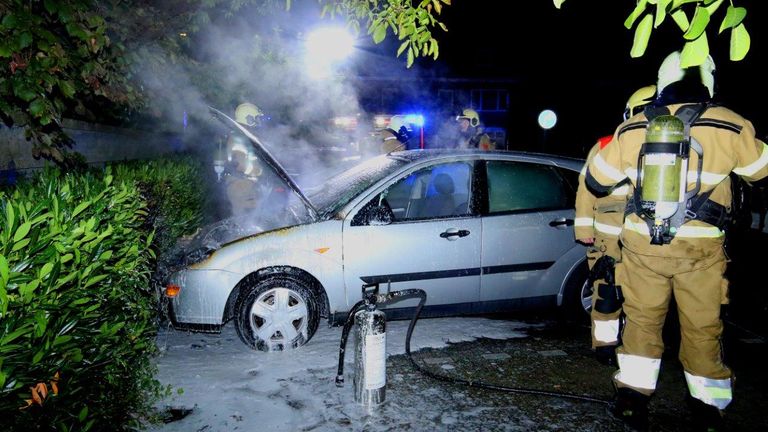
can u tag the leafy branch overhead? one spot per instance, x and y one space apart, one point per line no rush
693 18
411 21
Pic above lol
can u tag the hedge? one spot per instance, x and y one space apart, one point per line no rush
78 314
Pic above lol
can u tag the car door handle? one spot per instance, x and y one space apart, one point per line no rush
560 222
453 233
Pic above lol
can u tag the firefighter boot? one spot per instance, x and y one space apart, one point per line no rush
606 355
631 407
706 418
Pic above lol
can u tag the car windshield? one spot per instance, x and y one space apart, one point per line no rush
340 189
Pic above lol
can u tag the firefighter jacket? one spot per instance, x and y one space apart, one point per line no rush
729 145
599 216
242 193
390 142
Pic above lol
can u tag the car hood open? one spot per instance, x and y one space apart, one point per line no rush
269 160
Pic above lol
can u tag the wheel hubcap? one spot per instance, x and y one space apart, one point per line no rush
278 317
586 297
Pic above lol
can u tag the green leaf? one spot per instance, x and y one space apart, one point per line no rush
95 279
10 217
642 36
38 356
698 24
402 48
733 17
639 9
681 19
4 271
558 3
83 414
409 62
25 40
51 6
740 42
661 12
20 245
9 21
380 33
37 107
713 5
61 340
67 88
47 267
82 206
694 52
22 232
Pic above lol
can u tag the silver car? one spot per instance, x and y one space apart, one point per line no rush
479 231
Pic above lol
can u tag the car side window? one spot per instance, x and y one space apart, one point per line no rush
435 192
524 186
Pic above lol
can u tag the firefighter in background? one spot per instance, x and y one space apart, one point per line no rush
681 254
470 132
395 136
598 224
243 168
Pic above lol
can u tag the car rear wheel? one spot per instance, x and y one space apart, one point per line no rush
586 297
278 313
577 294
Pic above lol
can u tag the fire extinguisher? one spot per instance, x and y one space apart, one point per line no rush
370 378
370 374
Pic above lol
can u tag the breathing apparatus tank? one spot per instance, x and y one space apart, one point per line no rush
663 167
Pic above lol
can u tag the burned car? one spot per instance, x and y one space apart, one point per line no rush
479 231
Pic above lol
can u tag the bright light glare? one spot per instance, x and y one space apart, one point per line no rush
332 43
415 119
547 119
325 47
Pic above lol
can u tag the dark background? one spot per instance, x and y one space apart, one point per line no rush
576 62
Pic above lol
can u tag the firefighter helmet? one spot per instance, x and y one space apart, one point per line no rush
671 71
471 115
641 97
248 114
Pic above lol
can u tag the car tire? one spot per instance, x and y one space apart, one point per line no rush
277 313
577 295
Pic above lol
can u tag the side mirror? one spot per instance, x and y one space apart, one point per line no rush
380 215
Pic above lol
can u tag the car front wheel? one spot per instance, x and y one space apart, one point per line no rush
278 313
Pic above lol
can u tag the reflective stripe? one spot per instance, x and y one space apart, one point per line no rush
607 331
583 222
715 392
583 171
684 231
707 178
631 173
609 171
608 229
755 166
620 191
637 371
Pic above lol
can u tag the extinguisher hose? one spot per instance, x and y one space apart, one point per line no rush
519 390
344 335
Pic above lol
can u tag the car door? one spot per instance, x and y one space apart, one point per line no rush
527 227
427 238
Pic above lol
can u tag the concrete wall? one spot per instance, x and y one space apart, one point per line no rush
98 143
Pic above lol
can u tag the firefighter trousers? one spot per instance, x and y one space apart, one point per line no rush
605 326
699 287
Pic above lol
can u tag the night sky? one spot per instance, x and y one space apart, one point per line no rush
576 61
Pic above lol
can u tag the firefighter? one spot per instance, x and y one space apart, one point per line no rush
672 238
598 224
471 134
395 136
249 115
242 177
